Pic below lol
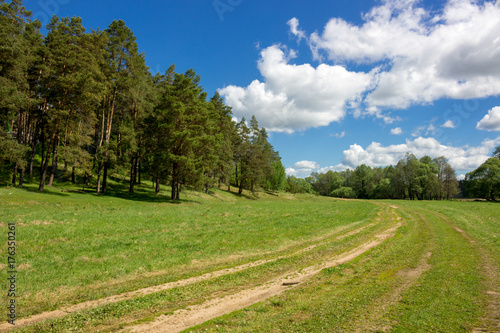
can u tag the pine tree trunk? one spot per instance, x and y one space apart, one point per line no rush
157 189
105 178
31 167
54 163
132 175
236 176
73 180
43 154
21 178
240 190
138 171
14 175
32 159
174 193
99 170
43 176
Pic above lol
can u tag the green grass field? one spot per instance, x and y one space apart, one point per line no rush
438 273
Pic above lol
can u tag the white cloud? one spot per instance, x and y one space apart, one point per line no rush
306 165
376 112
397 131
291 172
423 56
490 122
304 169
336 168
448 124
417 56
294 29
296 97
460 158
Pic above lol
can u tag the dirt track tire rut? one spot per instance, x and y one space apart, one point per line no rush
62 312
198 314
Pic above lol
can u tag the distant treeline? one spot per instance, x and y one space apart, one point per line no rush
80 106
411 178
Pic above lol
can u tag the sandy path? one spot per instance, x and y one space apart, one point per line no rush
183 319
180 283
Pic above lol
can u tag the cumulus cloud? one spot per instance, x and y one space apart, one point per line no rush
423 56
291 172
294 29
397 131
304 169
296 97
460 158
490 122
416 56
306 165
448 124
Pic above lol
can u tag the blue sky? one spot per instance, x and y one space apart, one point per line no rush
336 83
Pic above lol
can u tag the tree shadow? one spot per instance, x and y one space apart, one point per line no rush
47 191
141 193
243 195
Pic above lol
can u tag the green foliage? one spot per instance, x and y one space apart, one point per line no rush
298 185
484 182
278 178
253 156
411 178
496 153
343 192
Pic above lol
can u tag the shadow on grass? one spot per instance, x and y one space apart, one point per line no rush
246 196
141 195
476 200
119 188
115 190
48 190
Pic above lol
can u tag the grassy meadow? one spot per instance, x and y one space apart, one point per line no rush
428 278
73 246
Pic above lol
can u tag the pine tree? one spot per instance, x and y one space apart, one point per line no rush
226 127
15 102
72 86
122 65
242 153
155 131
189 130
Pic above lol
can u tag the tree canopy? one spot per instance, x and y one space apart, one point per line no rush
411 178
